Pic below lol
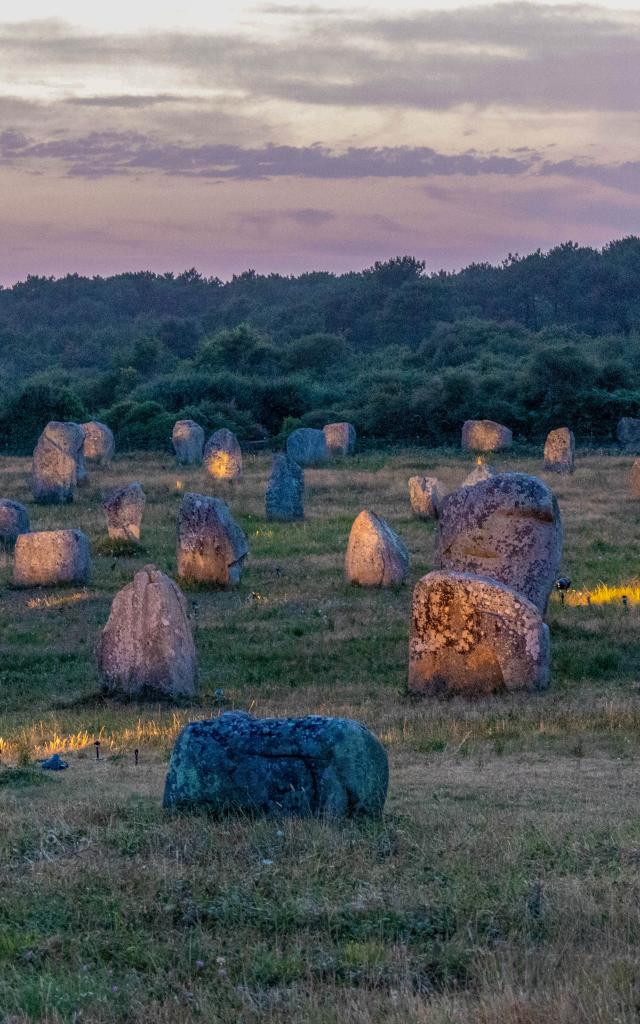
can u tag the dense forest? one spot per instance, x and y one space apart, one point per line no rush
539 341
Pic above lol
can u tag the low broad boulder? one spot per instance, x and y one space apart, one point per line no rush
307 446
473 636
425 495
560 451
340 438
211 546
188 442
58 463
146 649
284 497
99 443
508 529
628 434
376 557
51 557
123 508
331 767
222 456
485 436
14 520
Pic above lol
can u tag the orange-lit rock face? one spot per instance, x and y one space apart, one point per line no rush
211 546
473 636
58 463
99 443
123 508
634 479
50 557
559 451
222 456
425 495
485 436
376 557
481 471
146 647
188 442
340 438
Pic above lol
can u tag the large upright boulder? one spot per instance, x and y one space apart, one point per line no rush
123 508
473 636
146 648
376 557
58 463
14 520
332 767
507 528
485 436
560 451
425 495
211 546
628 434
222 456
188 442
284 497
50 558
307 446
340 438
99 443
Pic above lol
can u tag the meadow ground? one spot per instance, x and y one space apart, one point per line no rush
502 884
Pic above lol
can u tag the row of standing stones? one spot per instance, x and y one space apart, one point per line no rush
477 620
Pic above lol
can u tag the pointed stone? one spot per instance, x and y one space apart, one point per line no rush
376 557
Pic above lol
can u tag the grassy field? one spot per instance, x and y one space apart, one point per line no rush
502 885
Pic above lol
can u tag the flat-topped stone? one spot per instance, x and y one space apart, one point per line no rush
14 520
485 436
376 556
123 508
284 496
58 463
560 451
425 495
188 442
99 443
223 456
340 438
307 446
211 547
51 557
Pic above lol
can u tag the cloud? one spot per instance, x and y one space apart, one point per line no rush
127 100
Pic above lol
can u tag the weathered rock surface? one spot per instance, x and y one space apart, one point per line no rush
146 648
376 557
332 767
50 557
628 434
485 436
634 480
188 442
99 443
473 636
14 520
307 446
58 463
507 528
211 546
123 508
340 438
284 497
222 456
481 471
425 495
560 451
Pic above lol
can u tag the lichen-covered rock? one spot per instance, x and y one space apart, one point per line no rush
51 557
284 497
222 456
507 528
307 446
14 520
376 557
99 443
211 546
425 495
560 451
58 463
634 479
123 508
473 636
628 434
146 648
188 442
332 767
485 436
340 438
481 471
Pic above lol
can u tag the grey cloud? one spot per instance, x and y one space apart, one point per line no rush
130 101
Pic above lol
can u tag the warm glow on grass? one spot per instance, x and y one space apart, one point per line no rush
604 594
52 601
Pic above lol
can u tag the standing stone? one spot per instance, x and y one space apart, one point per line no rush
99 443
560 451
146 648
508 529
332 767
211 546
284 498
188 442
14 520
340 438
376 557
50 557
58 463
123 508
222 456
307 446
634 480
473 636
629 434
425 495
485 436
481 471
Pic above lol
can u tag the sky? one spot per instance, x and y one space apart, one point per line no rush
287 137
